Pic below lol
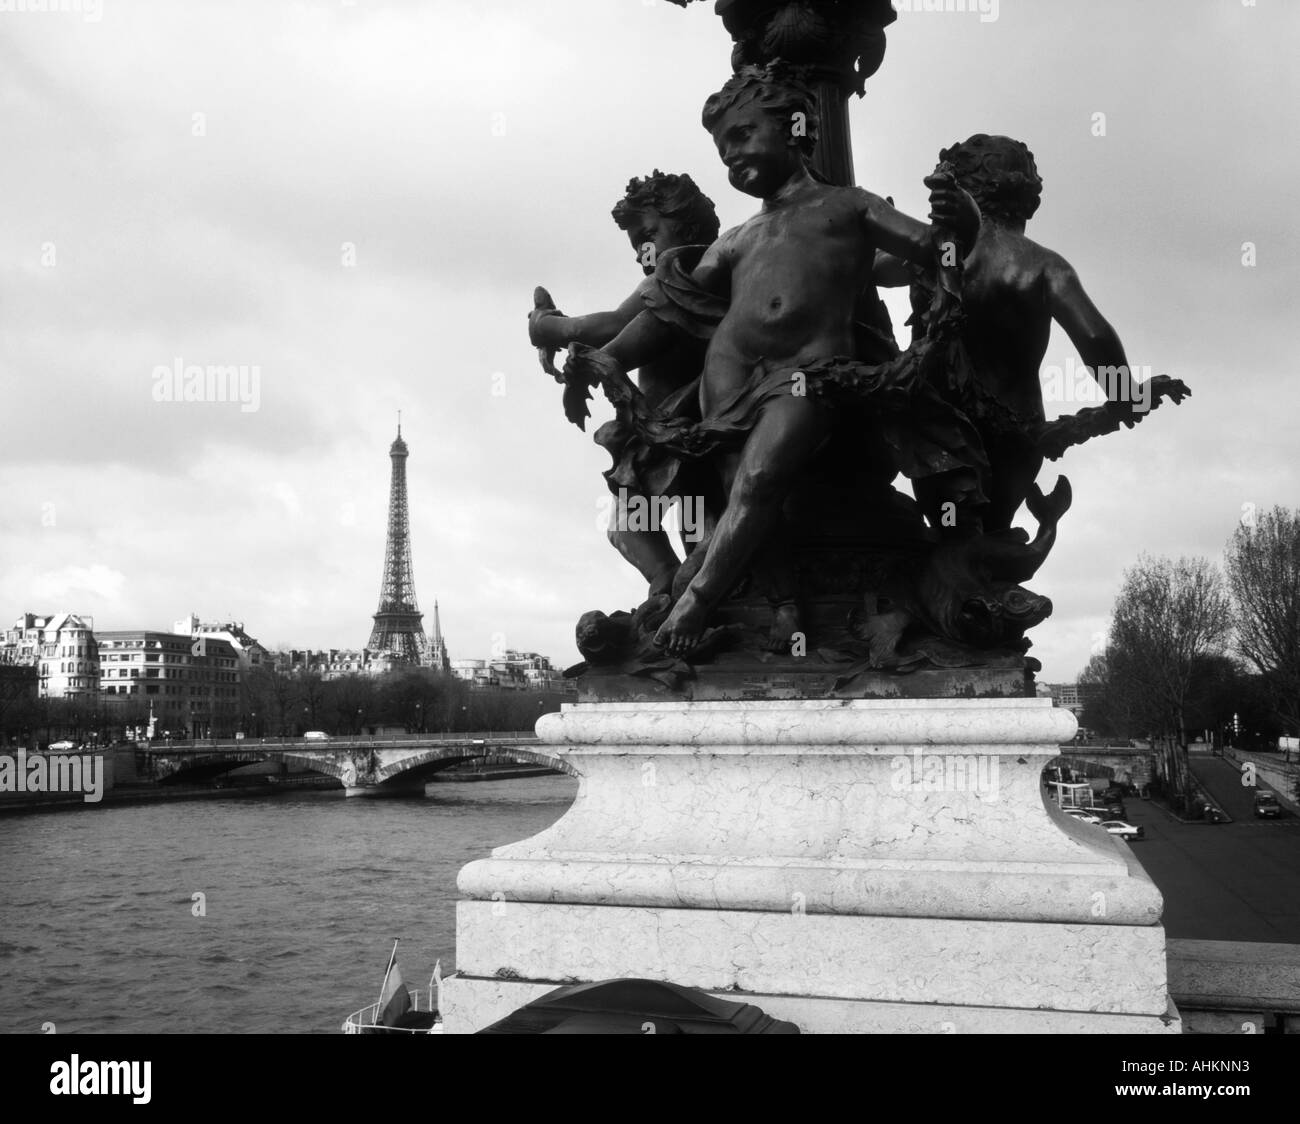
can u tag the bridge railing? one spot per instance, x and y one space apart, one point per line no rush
337 741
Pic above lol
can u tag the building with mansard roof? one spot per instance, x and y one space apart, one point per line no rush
252 655
62 648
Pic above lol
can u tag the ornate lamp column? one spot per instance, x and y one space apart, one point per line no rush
841 42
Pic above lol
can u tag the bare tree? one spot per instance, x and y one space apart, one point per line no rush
311 692
1169 615
274 693
1263 563
353 701
1114 704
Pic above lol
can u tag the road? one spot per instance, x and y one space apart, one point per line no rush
1236 881
339 741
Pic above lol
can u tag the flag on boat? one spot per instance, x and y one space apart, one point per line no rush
394 1000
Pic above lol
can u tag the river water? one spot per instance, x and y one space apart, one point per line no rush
303 895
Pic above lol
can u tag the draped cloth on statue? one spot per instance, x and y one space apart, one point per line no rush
925 435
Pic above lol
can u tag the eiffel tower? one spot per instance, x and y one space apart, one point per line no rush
399 624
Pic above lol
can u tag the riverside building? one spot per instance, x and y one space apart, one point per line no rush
191 684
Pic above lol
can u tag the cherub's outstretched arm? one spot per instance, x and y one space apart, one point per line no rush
891 272
888 271
900 235
1097 342
643 339
648 335
1102 352
553 329
897 234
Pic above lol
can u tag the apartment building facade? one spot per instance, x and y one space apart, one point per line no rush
512 671
62 648
189 684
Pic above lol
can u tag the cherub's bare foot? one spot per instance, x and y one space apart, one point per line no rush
681 632
785 623
663 581
883 634
687 570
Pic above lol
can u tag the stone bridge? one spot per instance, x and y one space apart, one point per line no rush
1125 764
363 766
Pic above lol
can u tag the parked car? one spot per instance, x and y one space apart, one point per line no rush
1123 830
1266 805
1109 809
1082 814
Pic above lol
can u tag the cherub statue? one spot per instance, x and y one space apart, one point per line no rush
1012 290
777 297
659 213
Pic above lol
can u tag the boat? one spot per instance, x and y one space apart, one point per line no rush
418 1020
398 1009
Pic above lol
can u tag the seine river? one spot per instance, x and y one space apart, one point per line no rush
303 894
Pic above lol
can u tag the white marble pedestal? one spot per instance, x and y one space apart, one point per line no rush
849 865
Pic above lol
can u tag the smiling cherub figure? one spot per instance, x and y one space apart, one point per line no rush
776 297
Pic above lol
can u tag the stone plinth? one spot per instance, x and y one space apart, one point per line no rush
848 865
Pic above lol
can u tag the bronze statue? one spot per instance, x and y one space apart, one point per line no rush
659 213
801 410
777 296
1012 290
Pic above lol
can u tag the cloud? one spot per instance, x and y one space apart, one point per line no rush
70 585
349 213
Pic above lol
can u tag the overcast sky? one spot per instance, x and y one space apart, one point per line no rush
184 181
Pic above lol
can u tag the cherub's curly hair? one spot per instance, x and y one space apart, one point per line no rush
1000 173
674 197
779 89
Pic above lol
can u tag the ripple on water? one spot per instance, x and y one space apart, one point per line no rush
303 897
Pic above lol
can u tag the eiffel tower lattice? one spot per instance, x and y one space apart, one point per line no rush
399 624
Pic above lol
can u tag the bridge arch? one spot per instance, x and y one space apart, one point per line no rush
196 768
368 764
439 759
325 764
